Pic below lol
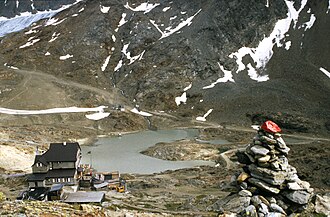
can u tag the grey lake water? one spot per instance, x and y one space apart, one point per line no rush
123 153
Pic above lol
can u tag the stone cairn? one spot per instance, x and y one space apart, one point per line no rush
269 183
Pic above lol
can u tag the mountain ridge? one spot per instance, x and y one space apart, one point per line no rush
151 53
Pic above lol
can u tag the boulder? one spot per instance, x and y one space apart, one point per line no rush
242 177
245 193
299 197
263 210
264 159
270 176
250 211
276 208
322 204
259 150
263 185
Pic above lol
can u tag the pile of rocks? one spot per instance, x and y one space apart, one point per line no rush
270 185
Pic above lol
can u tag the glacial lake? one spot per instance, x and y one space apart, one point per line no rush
123 153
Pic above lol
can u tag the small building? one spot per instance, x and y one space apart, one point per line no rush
58 165
85 197
55 192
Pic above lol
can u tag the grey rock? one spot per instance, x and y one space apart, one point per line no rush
276 208
271 200
268 140
245 193
298 185
263 209
243 185
264 186
281 143
275 214
250 211
259 150
322 204
264 159
299 197
237 204
255 200
270 176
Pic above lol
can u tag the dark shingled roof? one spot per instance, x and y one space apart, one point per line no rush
36 177
63 152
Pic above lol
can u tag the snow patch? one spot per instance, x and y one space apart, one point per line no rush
119 65
287 45
267 3
142 113
310 23
170 30
181 99
227 77
145 7
187 88
327 73
128 54
54 22
204 117
47 54
104 9
81 10
99 109
54 37
105 64
263 53
166 9
66 57
121 22
97 116
30 43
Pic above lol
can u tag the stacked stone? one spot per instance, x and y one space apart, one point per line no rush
274 184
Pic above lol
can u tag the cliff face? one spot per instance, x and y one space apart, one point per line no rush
224 61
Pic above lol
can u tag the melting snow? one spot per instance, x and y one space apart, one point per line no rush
104 9
262 54
12 67
121 22
136 111
254 74
146 7
119 65
66 57
54 37
97 116
169 30
128 54
31 31
54 21
310 23
204 117
287 45
81 10
166 9
327 73
187 88
30 43
181 99
47 54
267 3
105 64
51 111
227 77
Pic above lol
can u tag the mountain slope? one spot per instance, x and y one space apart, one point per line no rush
230 61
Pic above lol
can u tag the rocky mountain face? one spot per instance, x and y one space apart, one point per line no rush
215 60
